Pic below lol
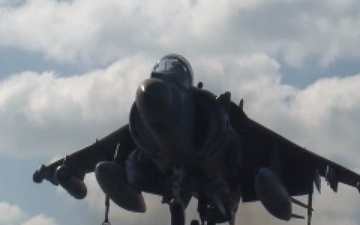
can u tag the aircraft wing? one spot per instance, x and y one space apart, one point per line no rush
85 160
297 167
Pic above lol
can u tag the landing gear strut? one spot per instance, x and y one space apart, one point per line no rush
107 208
177 213
177 209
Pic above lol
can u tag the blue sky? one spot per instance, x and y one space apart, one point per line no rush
69 71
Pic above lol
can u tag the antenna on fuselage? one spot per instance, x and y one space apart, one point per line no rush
241 104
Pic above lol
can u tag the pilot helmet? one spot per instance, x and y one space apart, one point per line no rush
176 68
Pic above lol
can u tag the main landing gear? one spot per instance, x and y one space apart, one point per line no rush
177 205
177 212
196 222
178 219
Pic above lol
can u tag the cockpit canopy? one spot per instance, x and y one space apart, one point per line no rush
176 68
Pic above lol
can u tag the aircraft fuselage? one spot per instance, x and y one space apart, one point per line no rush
190 128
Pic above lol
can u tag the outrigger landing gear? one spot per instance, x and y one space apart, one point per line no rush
107 208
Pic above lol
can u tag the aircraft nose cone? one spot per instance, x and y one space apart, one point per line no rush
153 98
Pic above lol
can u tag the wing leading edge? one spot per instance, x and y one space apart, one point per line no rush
85 160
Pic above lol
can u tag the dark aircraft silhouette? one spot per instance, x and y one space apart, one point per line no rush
183 141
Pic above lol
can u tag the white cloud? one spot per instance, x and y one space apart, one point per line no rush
330 108
99 32
46 112
39 220
14 215
10 214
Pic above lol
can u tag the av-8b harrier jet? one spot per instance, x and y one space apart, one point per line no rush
182 141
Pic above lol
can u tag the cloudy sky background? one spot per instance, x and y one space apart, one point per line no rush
69 70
